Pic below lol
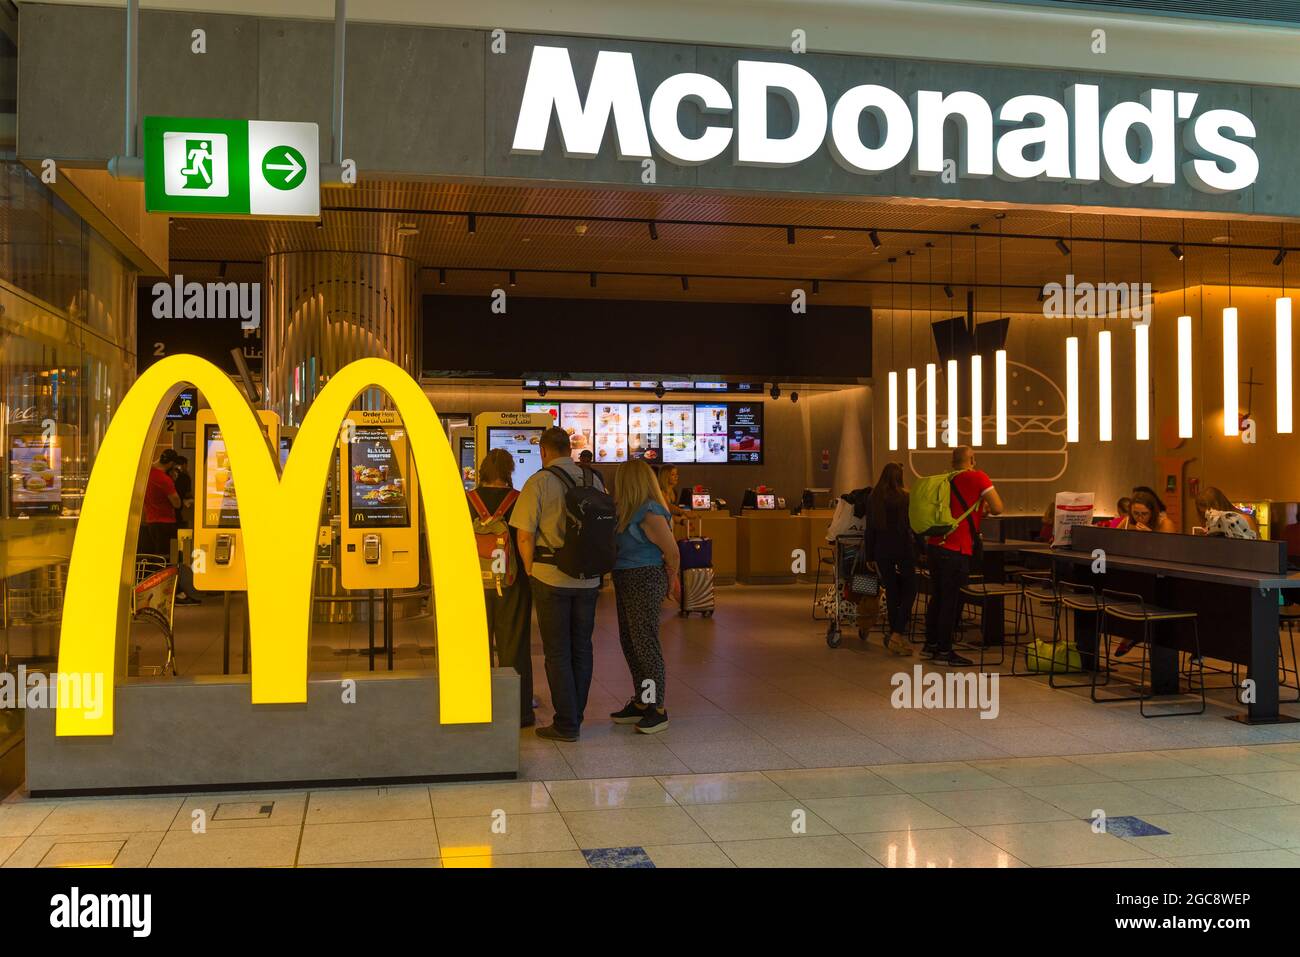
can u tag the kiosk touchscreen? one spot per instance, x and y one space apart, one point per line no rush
462 445
216 509
701 501
519 433
379 542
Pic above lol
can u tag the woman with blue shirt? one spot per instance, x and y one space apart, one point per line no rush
645 572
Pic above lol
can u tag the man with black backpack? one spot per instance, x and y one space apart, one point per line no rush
949 556
565 524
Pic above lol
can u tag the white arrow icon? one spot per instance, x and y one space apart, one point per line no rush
292 167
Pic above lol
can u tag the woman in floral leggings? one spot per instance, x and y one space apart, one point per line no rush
645 572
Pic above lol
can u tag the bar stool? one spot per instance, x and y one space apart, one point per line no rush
924 589
1040 587
1127 606
1290 619
1081 599
825 560
981 592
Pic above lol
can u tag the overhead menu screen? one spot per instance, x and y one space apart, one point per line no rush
377 489
524 446
745 432
668 432
35 476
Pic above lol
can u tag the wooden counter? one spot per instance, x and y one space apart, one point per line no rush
721 527
765 546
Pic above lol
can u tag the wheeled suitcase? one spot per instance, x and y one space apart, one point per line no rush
697 574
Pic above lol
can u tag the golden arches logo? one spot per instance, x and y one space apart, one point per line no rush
279 516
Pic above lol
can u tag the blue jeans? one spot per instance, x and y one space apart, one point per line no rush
566 618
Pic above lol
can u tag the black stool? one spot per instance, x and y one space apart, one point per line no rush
1126 606
1081 599
1040 587
981 592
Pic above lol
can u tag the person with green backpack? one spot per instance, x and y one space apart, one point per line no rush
947 509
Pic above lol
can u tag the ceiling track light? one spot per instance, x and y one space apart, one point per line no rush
592 280
1065 250
947 290
1176 251
875 239
1281 255
541 389
794 396
789 235
514 278
442 277
654 230
1042 296
817 286
659 390
471 224
775 391
686 284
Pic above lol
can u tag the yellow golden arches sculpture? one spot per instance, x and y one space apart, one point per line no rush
279 517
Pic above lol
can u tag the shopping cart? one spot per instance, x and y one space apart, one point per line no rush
153 600
843 603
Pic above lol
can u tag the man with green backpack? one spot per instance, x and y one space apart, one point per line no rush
947 509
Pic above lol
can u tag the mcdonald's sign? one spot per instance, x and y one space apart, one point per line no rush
279 516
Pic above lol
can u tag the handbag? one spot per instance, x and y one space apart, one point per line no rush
863 581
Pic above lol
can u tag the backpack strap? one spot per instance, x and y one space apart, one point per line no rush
966 515
477 504
565 477
504 506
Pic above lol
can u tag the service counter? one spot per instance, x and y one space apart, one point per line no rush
721 527
766 546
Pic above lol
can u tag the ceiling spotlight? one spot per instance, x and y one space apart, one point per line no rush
513 277
686 284
775 391
654 230
999 215
789 235
593 280
442 277
975 226
875 239
472 224
659 391
947 290
794 396
580 229
1042 296
893 259
221 270
541 389
320 224
1176 251
817 286
1277 260
1065 250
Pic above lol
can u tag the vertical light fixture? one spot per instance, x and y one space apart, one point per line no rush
1072 389
1231 401
1184 377
911 409
893 411
952 403
1103 386
976 400
1000 376
1282 331
931 406
1142 380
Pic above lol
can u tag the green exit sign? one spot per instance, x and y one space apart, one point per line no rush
206 167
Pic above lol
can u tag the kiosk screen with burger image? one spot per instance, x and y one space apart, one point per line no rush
220 507
377 488
524 446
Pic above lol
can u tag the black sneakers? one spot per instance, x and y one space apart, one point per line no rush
551 733
953 660
653 722
630 714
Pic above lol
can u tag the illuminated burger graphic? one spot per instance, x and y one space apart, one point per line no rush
1036 449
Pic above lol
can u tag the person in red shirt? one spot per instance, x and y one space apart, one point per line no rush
949 556
160 504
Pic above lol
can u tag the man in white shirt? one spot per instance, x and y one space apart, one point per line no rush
566 607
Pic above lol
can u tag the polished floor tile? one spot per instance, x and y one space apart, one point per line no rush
1113 798
1135 766
811 783
21 818
230 847
1230 760
489 835
258 809
542 859
942 776
934 847
1239 859
1192 833
763 819
1212 792
608 793
1281 784
645 757
1020 772
489 797
1054 843
690 855
723 788
806 851
369 841
738 755
1279 826
7 846
110 815
368 804
992 806
878 812
625 827
133 850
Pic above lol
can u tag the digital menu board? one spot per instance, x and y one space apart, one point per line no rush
35 476
524 446
644 428
745 432
578 419
611 432
377 493
679 432
710 432
541 405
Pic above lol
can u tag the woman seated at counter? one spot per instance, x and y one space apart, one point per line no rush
668 486
1146 514
1220 517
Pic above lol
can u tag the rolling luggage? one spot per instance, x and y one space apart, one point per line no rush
697 574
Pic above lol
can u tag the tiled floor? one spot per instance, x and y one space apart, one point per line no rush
781 752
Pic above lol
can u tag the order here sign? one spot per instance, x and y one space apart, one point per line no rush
209 167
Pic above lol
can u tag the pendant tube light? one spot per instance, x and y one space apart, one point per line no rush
911 409
952 403
1184 377
1072 389
1231 401
893 411
1103 386
976 400
1000 397
931 406
1284 388
1142 380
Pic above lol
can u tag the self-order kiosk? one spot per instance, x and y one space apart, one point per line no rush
379 543
216 509
519 433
